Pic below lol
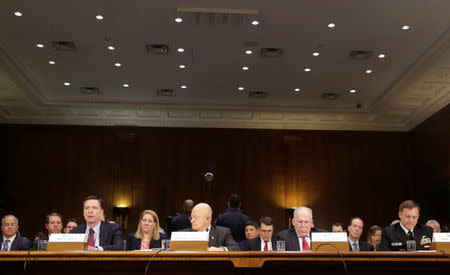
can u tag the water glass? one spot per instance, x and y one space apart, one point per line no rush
281 246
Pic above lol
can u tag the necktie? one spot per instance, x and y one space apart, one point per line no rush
355 247
91 241
5 245
410 235
266 246
305 245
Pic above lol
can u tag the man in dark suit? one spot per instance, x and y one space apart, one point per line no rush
355 230
10 240
265 241
299 238
394 237
234 218
182 221
251 232
220 238
101 235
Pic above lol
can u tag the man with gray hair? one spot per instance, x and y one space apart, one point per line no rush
435 225
10 239
299 238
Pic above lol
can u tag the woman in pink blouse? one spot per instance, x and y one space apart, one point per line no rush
147 235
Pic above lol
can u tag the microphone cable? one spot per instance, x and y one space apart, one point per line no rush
26 257
151 258
342 257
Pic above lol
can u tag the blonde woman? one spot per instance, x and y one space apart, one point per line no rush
147 235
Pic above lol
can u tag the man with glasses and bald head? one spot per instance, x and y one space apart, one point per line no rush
299 238
10 240
220 238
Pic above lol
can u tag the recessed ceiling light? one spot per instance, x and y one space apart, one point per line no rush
381 56
18 13
240 88
66 84
111 48
117 64
405 27
39 45
316 54
182 66
180 50
178 20
99 17
255 23
126 85
307 70
245 68
368 71
297 90
183 86
248 51
52 62
331 25
352 91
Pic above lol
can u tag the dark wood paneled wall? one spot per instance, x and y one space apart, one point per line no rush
431 143
338 174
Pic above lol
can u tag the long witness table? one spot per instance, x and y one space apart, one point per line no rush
167 262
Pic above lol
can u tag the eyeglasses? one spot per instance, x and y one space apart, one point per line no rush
195 218
9 224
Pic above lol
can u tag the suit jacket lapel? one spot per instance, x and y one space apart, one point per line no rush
212 236
400 233
295 241
103 236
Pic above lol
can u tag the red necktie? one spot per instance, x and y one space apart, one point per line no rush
91 241
266 247
305 245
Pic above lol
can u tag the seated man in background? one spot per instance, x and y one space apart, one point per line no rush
220 238
299 238
251 232
182 221
101 236
53 224
71 224
435 225
265 242
10 239
337 227
234 218
355 230
394 237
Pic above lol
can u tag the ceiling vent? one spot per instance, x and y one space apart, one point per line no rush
257 94
271 52
89 90
67 46
158 49
360 55
166 92
330 96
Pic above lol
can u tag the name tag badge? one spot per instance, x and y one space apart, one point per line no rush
397 244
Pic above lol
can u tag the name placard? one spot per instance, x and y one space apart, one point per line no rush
441 237
189 236
329 237
62 238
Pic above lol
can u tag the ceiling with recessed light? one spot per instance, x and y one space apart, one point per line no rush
337 65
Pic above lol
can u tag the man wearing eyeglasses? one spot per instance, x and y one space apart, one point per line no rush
265 241
220 238
10 240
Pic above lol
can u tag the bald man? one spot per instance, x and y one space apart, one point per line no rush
220 238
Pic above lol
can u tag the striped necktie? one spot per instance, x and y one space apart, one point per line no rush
5 245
